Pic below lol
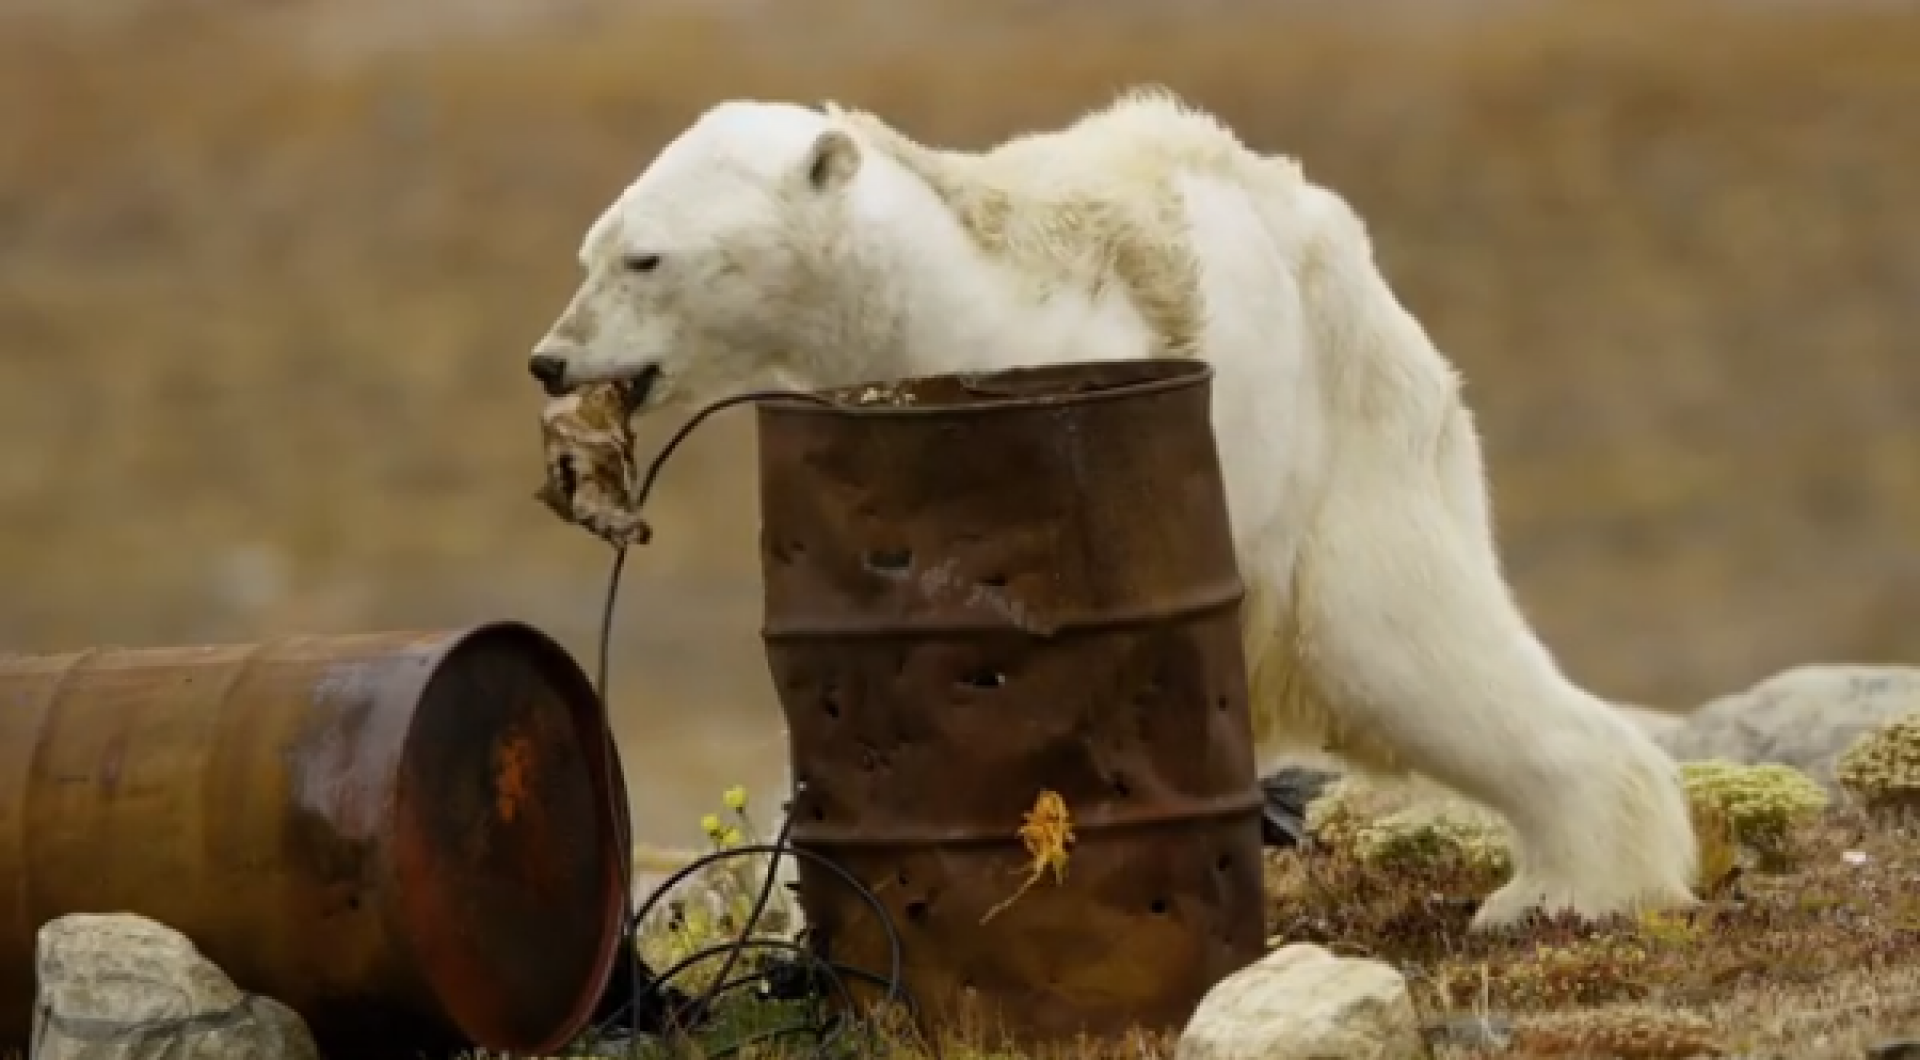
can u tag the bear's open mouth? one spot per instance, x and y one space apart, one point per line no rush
636 388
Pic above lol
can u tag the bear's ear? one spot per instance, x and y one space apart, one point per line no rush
832 161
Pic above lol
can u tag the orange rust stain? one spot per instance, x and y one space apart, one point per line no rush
512 775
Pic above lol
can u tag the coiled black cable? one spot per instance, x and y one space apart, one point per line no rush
808 974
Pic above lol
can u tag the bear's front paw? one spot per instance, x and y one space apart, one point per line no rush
1523 898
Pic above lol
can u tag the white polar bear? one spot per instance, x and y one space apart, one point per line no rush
776 243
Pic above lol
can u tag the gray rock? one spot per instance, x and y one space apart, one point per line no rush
1804 717
120 987
1303 1003
1658 724
1287 792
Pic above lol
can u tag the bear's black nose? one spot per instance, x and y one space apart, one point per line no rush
551 371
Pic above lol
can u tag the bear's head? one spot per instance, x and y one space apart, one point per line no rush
715 265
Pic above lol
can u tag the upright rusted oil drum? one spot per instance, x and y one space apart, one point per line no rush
979 588
415 840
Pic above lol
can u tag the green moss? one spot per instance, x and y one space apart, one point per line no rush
1350 818
1882 768
1763 804
1410 838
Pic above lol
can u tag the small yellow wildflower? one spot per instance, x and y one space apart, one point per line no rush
711 825
736 799
732 838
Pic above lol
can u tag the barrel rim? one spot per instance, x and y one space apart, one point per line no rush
617 905
1179 373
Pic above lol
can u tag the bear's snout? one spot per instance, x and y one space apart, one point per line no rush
551 372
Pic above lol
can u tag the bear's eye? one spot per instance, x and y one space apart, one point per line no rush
642 262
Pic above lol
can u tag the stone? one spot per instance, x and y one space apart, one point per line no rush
1658 724
1303 1003
1286 794
121 987
1805 717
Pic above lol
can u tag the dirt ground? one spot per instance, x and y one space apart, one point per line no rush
268 280
1814 956
1809 953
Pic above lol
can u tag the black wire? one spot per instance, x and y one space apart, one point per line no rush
660 985
759 908
734 947
895 989
892 981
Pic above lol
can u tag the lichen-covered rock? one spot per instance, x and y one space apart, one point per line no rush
1762 803
1412 838
1402 826
1303 1003
1882 768
120 987
1804 717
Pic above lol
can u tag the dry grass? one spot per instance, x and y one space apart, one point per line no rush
1819 959
1815 960
266 284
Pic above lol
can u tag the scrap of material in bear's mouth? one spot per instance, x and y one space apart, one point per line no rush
632 390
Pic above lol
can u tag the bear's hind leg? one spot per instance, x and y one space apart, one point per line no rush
1409 636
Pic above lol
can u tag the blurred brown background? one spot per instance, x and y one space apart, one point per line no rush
269 274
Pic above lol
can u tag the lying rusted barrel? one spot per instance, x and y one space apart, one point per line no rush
415 840
979 588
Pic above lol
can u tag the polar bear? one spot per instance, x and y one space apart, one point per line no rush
776 243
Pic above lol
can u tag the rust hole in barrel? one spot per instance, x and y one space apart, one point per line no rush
986 677
994 581
1121 787
787 552
917 911
1224 863
1158 906
889 560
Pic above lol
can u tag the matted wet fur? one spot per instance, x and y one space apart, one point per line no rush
591 467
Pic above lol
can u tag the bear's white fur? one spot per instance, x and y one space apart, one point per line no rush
772 242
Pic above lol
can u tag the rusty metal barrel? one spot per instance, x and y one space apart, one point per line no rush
415 840
981 587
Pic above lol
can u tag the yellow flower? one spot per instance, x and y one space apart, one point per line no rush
712 826
732 838
736 799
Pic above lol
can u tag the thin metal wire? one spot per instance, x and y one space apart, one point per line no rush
818 969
